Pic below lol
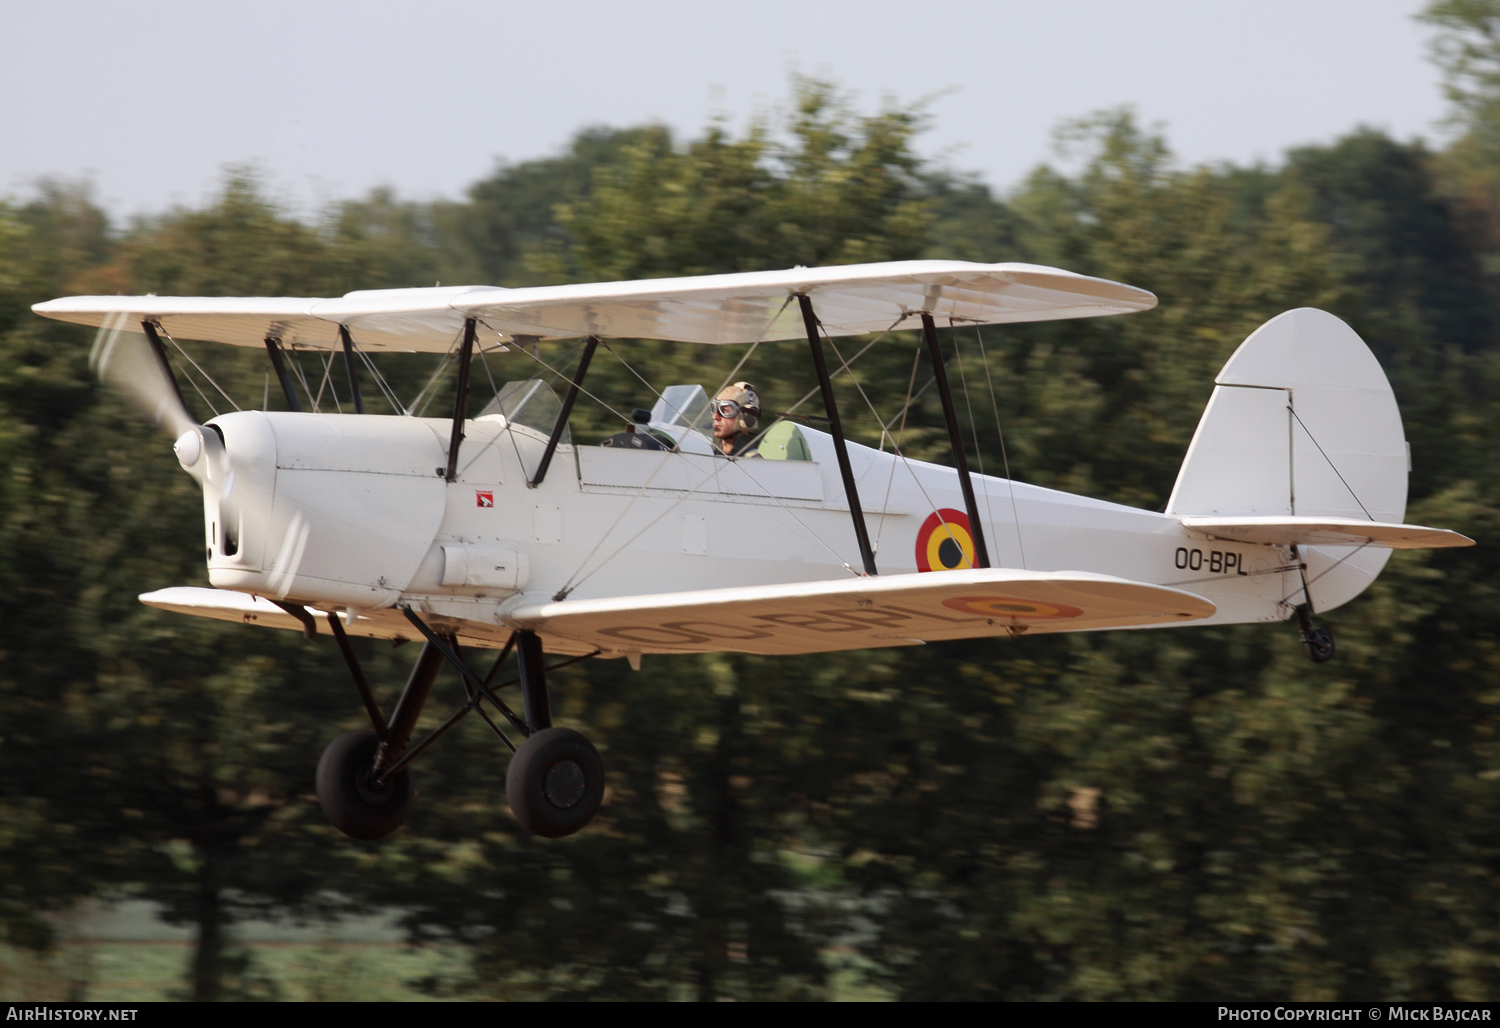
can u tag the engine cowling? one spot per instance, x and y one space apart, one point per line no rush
323 508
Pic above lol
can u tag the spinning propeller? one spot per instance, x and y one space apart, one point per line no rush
134 363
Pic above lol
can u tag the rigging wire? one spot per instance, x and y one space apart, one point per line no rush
890 480
427 390
875 413
511 435
1004 457
194 384
566 378
509 430
327 369
727 379
292 355
385 387
901 456
1331 464
206 375
958 356
572 584
843 367
1304 588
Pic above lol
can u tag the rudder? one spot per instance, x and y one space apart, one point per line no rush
1302 422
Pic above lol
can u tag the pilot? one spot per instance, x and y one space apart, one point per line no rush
736 413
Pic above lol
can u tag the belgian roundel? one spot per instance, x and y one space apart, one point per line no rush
945 542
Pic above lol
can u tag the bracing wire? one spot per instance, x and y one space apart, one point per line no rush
963 381
911 401
189 357
576 580
863 395
1004 457
1331 464
727 379
429 391
844 366
898 454
326 384
560 375
626 365
297 367
484 362
380 382
424 397
890 480
194 384
1313 581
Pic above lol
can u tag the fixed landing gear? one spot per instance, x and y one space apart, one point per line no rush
350 799
555 781
1318 642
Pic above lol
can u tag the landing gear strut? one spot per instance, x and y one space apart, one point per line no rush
555 781
1318 642
357 790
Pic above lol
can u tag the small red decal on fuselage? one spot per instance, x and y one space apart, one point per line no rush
484 498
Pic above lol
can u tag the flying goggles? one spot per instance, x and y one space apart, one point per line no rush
729 409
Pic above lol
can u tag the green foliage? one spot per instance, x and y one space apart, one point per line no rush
841 189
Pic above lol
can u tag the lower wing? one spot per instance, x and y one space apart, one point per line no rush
858 613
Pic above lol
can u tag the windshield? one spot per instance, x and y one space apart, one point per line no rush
532 403
685 405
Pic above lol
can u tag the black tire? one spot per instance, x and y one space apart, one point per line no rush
1319 645
555 782
346 796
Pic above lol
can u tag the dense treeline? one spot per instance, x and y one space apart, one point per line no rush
1189 814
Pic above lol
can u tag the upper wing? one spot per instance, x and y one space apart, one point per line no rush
741 308
856 613
1314 531
413 320
850 300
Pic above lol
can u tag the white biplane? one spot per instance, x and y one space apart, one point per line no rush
496 532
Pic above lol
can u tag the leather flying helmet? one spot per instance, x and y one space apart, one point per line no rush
739 401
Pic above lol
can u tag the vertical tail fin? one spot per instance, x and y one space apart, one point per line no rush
1302 422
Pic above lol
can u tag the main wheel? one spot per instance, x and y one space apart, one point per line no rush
555 782
1319 645
349 801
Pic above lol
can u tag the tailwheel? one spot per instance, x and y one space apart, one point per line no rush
1318 642
1319 645
349 799
555 782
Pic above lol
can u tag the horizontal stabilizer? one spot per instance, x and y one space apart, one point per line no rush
857 613
1316 531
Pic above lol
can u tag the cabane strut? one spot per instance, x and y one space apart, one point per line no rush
567 409
349 369
278 361
461 399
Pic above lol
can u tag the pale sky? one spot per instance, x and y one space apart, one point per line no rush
152 98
